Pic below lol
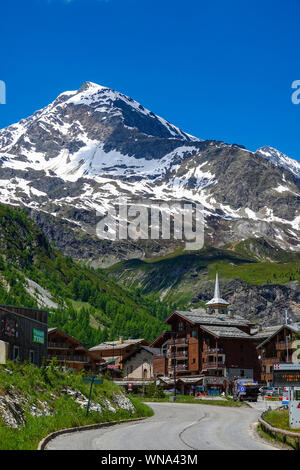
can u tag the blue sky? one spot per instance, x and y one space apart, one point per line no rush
220 70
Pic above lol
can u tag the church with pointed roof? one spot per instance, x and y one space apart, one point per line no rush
207 347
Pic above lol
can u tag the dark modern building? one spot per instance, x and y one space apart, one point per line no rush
23 334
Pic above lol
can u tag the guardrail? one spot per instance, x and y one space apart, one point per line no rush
275 432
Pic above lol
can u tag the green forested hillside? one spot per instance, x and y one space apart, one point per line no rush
258 279
87 303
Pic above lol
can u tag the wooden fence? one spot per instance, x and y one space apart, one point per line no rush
279 434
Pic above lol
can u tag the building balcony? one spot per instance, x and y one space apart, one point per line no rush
178 342
178 367
214 365
212 351
63 358
53 345
282 345
177 354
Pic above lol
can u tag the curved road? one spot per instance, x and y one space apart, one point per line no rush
174 426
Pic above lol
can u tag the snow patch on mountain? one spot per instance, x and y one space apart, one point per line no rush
279 159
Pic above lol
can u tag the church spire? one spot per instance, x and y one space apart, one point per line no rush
217 300
217 287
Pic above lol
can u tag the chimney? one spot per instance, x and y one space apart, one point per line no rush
121 340
230 312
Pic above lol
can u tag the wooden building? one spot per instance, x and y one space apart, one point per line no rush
23 334
276 347
116 352
70 352
211 342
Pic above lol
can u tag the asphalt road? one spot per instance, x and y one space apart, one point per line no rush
174 427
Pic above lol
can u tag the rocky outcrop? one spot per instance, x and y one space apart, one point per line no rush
263 303
14 405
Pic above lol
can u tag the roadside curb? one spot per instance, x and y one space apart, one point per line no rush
53 435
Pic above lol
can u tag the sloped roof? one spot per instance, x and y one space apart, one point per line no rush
201 317
65 335
292 328
227 332
189 380
108 345
151 350
266 331
217 299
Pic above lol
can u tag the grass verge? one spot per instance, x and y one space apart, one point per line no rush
278 419
189 399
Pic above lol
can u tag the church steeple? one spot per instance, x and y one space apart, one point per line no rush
217 287
217 304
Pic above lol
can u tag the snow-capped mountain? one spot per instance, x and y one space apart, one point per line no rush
88 132
279 159
79 154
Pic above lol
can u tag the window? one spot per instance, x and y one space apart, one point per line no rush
16 353
180 326
32 357
194 334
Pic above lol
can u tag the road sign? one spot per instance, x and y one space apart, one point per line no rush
286 378
286 366
92 380
294 414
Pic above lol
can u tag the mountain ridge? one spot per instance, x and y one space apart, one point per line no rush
70 162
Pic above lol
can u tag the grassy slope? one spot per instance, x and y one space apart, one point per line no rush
179 275
279 419
46 385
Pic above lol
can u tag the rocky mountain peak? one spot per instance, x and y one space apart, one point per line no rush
280 159
90 146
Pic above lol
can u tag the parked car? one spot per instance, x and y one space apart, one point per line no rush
271 391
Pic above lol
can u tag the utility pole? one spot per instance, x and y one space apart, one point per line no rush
286 316
174 373
287 338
